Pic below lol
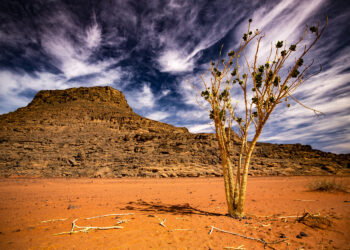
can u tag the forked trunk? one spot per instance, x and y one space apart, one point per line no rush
231 206
228 179
239 211
226 167
224 162
238 179
229 201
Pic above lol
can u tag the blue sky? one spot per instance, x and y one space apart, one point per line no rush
155 51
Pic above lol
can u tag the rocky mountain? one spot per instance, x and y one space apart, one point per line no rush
92 132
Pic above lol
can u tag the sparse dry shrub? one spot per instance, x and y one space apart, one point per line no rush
315 221
103 173
326 185
242 90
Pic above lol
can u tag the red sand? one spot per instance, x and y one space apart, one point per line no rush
25 203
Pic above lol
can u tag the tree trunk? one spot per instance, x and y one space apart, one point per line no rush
243 188
238 179
228 192
231 183
229 180
226 167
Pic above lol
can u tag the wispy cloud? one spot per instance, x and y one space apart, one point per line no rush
201 128
192 28
12 85
69 49
72 56
283 21
192 115
327 92
93 34
141 99
172 61
158 115
155 52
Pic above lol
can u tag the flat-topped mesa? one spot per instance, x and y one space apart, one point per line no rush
93 94
83 107
92 132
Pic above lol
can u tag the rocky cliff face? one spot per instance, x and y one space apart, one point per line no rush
92 132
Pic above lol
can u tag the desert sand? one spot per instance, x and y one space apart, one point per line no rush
32 211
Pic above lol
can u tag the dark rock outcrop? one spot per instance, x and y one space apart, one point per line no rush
92 132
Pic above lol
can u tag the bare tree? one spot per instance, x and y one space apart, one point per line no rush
263 87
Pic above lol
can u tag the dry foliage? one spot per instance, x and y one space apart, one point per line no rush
315 221
326 185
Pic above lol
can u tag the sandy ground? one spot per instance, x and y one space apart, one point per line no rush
192 205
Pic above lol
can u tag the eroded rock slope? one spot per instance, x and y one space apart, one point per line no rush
92 132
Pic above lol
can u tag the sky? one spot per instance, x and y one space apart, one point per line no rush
155 52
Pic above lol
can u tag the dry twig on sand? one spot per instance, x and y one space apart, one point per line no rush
285 218
241 247
305 200
161 222
100 216
181 218
180 229
311 220
85 229
53 220
315 221
266 244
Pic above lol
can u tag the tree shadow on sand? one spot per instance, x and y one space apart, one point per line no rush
178 209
